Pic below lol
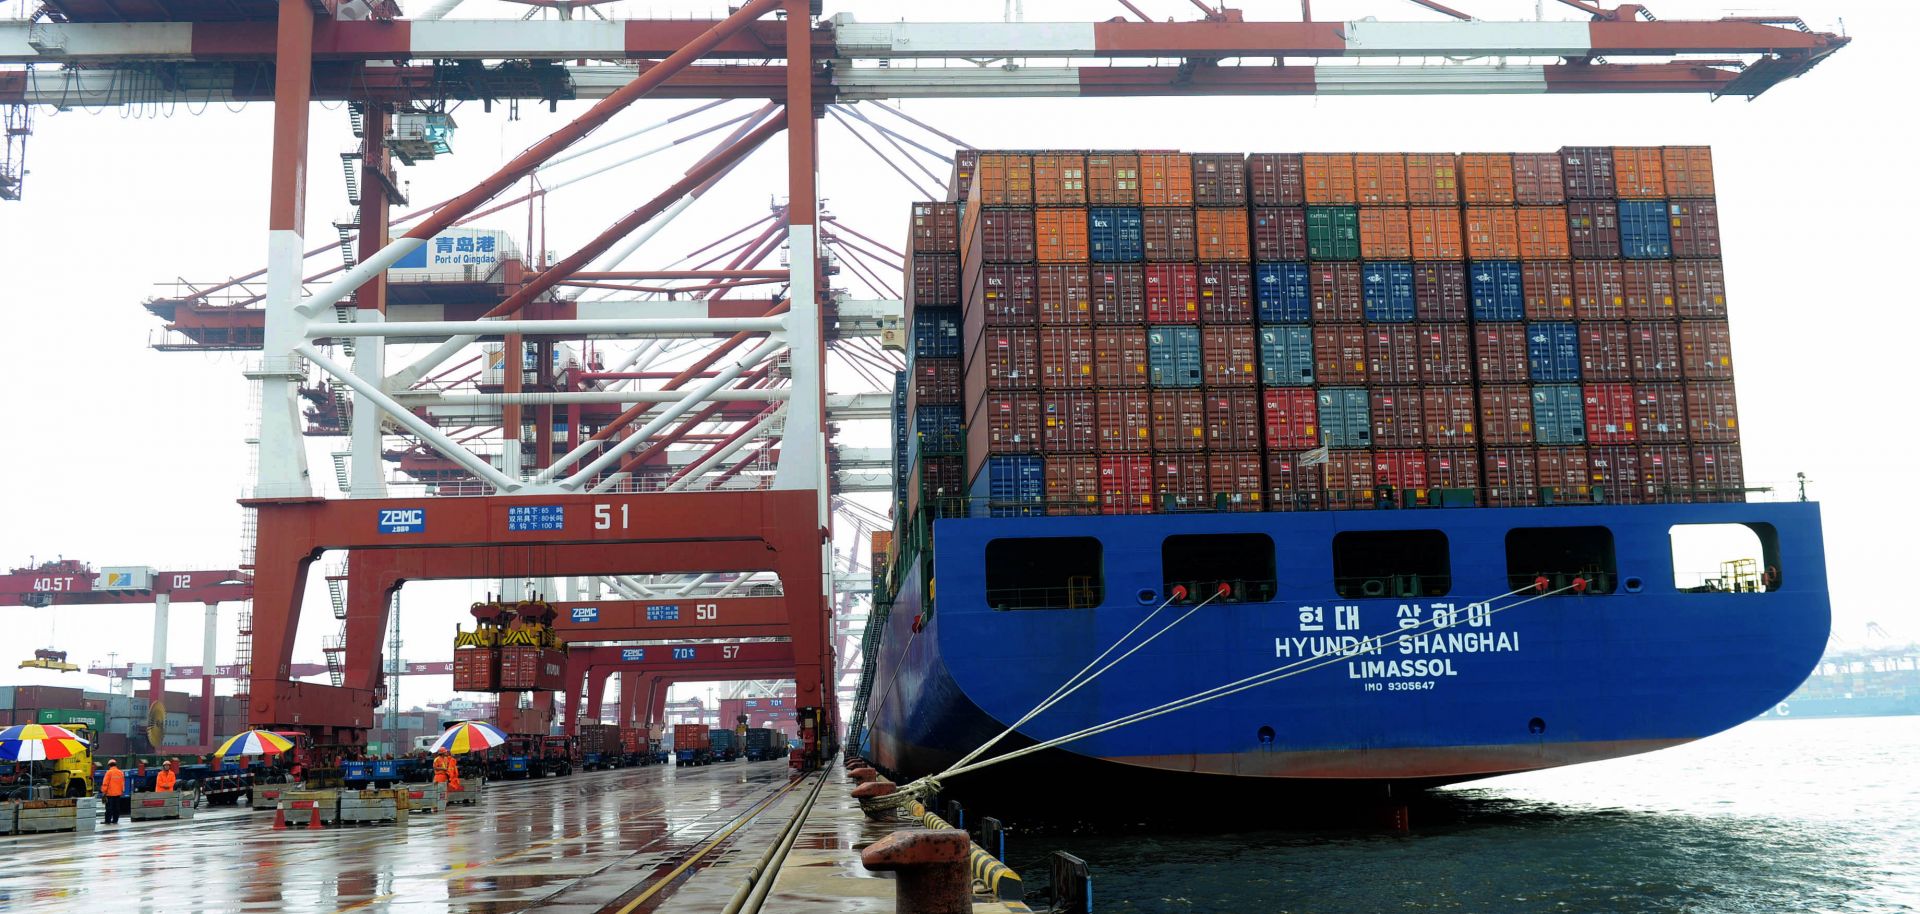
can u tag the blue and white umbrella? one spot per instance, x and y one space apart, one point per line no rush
469 736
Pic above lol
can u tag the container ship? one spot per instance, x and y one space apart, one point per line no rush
1422 428
1857 682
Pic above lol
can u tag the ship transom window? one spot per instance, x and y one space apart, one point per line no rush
1391 563
1561 554
1725 558
1045 572
1202 562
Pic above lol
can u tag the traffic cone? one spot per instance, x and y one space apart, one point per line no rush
279 818
313 824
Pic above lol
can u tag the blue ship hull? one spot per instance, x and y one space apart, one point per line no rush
1556 681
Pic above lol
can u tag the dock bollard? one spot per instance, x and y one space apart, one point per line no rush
863 775
931 867
874 790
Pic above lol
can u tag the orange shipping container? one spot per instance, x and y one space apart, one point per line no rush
1166 179
1543 232
1004 179
1538 179
1222 234
1113 179
1687 170
1329 177
1432 179
1384 233
1639 172
1435 233
1493 233
1059 179
1486 177
1060 234
1380 178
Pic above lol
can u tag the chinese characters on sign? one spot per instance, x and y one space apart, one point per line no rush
537 517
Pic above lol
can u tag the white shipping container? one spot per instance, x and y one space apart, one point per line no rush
124 577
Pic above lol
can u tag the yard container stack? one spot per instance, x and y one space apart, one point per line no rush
931 443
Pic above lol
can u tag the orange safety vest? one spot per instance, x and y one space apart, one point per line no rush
163 782
444 768
113 783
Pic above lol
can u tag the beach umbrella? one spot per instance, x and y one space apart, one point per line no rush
254 742
40 742
469 736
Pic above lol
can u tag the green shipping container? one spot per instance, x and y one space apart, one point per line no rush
1333 233
96 721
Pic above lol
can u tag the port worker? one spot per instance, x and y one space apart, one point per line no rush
446 770
164 781
113 787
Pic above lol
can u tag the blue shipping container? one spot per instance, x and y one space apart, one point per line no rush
1346 417
1644 232
936 333
1559 414
1115 235
1286 356
937 430
1387 291
1496 290
1553 351
1283 292
1173 356
1010 487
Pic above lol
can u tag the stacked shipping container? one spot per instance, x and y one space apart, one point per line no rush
1147 331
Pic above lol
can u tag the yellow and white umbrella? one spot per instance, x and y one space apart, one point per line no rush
254 742
39 743
469 736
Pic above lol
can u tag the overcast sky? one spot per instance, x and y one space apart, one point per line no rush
126 456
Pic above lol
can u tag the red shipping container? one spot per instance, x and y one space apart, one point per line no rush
697 736
1433 179
1004 179
1606 353
1005 359
942 480
1440 291
1393 354
1453 469
1543 232
1433 233
1655 349
1695 228
935 282
1446 353
1125 423
476 669
1234 481
1006 236
1718 473
1073 485
1234 419
1338 297
1005 295
1537 179
1593 229
1511 481
1380 178
1349 480
1398 420
1340 354
1003 423
1179 420
1486 177
1706 351
1221 234
1292 418
1064 294
1660 413
1126 485
936 381
1588 171
1119 293
1405 471
1229 356
1329 178
1563 475
1060 179
1166 179
1226 293
1699 289
1448 413
935 229
1688 170
1548 288
1070 422
1173 293
1385 233
1648 285
1610 414
1713 413
1639 173
1506 414
1493 233
1060 235
1501 351
1180 482
1169 233
1113 179
1666 473
1291 487
1066 357
1120 356
1615 473
1599 290
1220 179
1276 179
1279 234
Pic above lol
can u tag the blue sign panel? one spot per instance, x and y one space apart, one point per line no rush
537 517
669 613
403 520
586 614
633 653
683 653
752 704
